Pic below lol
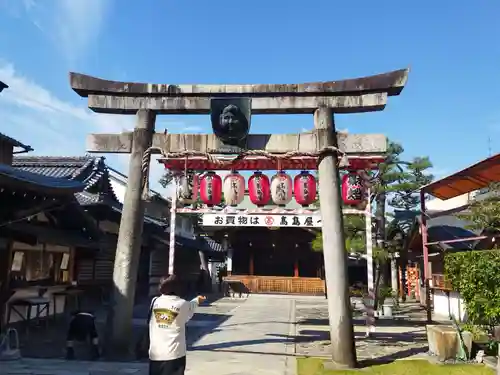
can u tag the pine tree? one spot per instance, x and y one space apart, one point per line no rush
483 214
397 183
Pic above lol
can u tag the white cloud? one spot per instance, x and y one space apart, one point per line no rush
56 127
78 23
72 25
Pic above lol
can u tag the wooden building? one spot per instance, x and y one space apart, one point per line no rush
445 229
38 242
102 198
272 260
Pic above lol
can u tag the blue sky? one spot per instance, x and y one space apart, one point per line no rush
448 110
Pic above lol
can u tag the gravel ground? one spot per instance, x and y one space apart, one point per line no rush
393 339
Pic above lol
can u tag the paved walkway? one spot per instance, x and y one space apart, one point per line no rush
254 339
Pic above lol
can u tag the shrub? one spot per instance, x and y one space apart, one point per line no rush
476 275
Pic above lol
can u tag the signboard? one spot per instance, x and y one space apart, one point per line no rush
228 220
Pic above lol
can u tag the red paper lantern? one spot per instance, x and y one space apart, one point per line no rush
211 189
234 188
304 188
258 189
352 189
188 188
281 189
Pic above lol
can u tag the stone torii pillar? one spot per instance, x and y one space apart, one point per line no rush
322 99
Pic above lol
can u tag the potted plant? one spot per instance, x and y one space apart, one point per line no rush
386 301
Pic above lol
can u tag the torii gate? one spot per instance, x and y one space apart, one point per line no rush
320 148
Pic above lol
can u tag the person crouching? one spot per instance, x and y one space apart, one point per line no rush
169 314
82 329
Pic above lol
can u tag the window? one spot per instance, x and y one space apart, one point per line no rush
32 266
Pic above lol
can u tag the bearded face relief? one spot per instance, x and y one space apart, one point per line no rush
232 123
229 121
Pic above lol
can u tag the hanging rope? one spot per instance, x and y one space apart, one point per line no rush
227 163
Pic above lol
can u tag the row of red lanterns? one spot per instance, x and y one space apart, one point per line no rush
262 190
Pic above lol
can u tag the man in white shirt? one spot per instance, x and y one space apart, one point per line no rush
169 314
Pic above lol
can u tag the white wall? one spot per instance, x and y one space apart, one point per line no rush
449 204
445 305
183 227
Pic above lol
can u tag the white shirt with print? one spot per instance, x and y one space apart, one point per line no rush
167 327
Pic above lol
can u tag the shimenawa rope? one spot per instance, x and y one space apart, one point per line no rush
226 162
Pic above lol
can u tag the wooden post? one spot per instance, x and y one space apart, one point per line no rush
173 223
425 250
370 313
394 275
251 266
334 253
129 238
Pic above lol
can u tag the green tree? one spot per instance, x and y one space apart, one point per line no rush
397 184
484 213
354 232
475 273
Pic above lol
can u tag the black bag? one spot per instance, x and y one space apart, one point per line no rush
142 347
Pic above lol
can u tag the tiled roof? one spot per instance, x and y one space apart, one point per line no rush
38 181
14 142
92 171
118 207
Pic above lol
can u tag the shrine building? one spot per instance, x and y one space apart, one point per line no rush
274 259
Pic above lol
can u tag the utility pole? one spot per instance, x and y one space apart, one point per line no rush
334 252
129 243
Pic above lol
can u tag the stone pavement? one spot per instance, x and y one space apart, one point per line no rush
253 338
257 338
261 334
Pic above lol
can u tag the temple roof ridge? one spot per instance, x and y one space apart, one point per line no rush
90 170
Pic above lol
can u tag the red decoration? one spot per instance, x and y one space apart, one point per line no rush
258 189
352 189
304 188
260 163
281 188
211 189
234 188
